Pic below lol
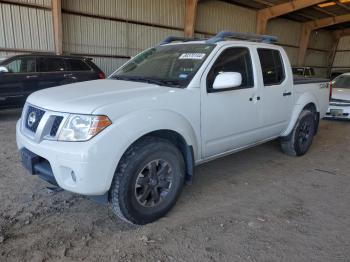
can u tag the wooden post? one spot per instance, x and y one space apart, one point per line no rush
190 17
57 26
304 43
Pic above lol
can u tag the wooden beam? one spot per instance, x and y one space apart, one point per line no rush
308 27
57 26
190 19
342 5
324 11
342 32
264 15
320 23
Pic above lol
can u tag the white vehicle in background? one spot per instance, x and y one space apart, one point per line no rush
339 107
135 138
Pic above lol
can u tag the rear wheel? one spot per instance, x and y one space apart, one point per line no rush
298 142
148 181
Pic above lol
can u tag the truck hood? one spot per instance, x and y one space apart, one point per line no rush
341 93
86 97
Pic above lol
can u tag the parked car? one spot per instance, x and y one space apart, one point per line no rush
303 71
339 107
337 72
135 138
22 75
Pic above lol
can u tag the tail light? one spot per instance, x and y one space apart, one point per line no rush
330 90
101 75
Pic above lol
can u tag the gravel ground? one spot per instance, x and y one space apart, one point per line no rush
256 205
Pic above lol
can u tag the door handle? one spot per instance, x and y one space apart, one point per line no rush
287 94
67 75
29 77
257 98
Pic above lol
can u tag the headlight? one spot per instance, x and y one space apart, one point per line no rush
83 127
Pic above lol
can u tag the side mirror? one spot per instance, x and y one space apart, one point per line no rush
3 69
227 80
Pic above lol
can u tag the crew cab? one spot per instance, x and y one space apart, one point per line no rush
134 139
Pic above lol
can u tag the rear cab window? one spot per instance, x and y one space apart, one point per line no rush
271 66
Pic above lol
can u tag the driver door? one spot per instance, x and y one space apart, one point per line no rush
229 116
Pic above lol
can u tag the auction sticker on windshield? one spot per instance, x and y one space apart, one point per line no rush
194 56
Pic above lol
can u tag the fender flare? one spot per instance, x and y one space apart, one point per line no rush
303 100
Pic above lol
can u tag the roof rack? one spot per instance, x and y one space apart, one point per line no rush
171 39
222 36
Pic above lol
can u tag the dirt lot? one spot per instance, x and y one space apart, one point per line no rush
256 205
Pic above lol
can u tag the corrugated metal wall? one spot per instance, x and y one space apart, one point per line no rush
288 33
159 12
342 57
118 27
25 28
215 16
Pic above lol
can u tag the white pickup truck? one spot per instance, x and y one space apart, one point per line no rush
135 138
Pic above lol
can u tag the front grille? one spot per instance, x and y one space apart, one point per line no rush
56 125
33 118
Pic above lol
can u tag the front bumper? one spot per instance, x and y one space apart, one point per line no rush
338 112
85 168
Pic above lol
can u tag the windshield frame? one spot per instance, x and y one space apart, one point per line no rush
164 82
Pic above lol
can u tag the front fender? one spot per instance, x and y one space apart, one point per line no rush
145 121
130 127
302 101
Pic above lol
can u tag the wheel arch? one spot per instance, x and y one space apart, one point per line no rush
179 141
305 101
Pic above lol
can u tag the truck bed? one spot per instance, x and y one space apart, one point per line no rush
311 80
316 89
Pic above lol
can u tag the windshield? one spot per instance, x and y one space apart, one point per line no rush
342 81
168 65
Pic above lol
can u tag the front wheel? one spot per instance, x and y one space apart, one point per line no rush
148 181
298 142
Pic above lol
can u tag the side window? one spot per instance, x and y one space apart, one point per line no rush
77 65
271 66
51 64
235 59
22 65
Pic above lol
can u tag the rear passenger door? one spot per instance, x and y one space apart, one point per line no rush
276 91
78 70
52 72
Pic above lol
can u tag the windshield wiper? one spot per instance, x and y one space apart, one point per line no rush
161 82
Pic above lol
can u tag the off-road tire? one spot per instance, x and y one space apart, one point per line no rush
122 198
291 144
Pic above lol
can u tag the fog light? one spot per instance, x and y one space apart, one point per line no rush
74 178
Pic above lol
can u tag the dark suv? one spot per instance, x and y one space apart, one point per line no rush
22 75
